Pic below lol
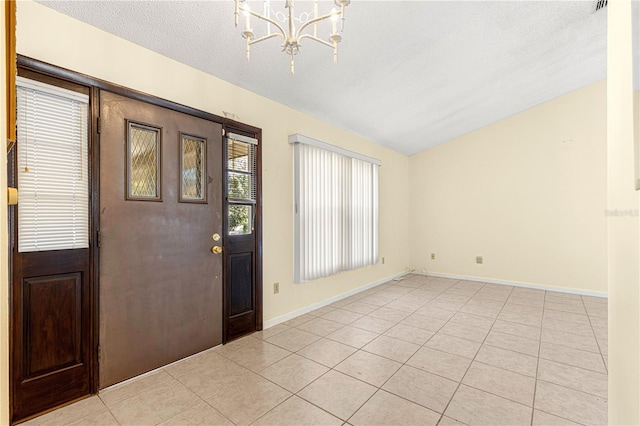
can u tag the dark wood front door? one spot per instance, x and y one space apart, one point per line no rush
160 212
52 349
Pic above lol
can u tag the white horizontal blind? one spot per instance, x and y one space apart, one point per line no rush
53 181
336 219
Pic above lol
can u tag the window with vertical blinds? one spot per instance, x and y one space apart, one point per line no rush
336 209
52 148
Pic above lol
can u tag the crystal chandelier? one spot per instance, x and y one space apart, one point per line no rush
296 25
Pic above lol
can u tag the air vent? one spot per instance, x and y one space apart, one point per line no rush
598 5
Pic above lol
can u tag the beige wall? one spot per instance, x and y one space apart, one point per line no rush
80 47
527 193
623 231
4 256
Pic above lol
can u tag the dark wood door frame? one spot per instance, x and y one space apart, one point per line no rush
94 85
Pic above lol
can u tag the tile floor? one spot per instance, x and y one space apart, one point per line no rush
420 351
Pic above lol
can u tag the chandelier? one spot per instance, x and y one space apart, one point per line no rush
277 20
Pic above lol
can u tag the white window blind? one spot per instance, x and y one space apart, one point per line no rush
53 181
336 209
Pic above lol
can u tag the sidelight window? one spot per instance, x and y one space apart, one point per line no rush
53 171
241 183
336 209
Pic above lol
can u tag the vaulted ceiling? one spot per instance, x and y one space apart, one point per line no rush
410 75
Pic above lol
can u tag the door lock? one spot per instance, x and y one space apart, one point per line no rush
216 237
216 249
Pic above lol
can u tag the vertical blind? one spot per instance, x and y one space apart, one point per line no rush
53 210
336 209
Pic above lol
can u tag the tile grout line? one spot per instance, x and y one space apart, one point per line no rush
606 367
535 381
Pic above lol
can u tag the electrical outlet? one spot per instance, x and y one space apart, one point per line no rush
276 288
433 256
479 260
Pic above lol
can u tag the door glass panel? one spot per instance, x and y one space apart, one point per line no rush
143 171
53 178
240 219
193 154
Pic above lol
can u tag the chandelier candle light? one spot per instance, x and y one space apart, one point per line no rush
292 39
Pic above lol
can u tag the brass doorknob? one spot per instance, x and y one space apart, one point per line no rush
216 249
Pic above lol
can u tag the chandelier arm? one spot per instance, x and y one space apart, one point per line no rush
319 40
271 21
263 38
313 21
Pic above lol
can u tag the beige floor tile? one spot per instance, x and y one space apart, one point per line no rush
523 300
71 413
476 407
353 336
155 405
321 311
444 305
492 295
338 394
377 300
598 311
386 409
408 306
513 343
508 360
517 329
575 357
293 339
342 316
360 308
571 404
114 394
205 382
425 322
341 303
453 345
297 411
565 307
464 331
210 359
294 372
255 354
566 316
271 331
375 325
497 381
520 318
483 309
422 387
102 418
518 308
246 401
540 418
567 298
392 315
299 320
321 326
606 361
448 421
388 347
368 367
566 326
199 414
433 312
530 293
478 321
327 352
576 341
441 363
409 334
573 377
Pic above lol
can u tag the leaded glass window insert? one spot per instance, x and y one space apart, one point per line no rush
193 186
143 162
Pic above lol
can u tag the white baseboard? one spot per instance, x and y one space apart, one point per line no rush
515 284
325 302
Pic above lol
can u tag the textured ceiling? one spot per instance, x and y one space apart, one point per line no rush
410 75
